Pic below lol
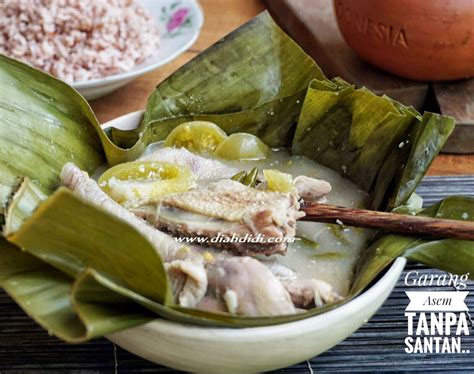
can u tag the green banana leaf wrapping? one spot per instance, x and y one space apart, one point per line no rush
52 117
456 256
73 310
83 273
254 80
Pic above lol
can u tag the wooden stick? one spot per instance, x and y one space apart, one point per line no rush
396 223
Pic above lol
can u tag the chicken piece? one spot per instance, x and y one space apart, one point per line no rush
311 189
232 216
212 304
185 267
249 288
203 168
308 292
304 292
78 181
280 271
188 281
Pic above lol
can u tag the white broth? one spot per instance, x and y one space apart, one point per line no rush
320 251
330 251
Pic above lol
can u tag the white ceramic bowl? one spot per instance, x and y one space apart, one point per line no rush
179 23
247 350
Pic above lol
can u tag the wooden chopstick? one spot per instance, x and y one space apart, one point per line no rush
392 222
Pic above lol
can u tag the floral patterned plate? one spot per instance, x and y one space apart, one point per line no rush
179 23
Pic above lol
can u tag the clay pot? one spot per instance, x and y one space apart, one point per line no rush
418 39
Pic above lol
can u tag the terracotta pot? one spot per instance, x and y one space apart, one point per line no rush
417 39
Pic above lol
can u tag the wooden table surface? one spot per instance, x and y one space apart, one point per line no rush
221 17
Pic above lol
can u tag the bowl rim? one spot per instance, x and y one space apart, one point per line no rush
127 75
389 276
281 330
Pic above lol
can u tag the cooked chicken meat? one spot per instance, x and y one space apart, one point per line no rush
190 282
311 189
249 288
202 168
311 292
185 267
227 210
212 304
78 181
280 271
221 211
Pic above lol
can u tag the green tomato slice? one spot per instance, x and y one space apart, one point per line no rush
242 146
278 181
139 182
196 136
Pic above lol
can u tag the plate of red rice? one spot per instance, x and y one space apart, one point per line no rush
98 46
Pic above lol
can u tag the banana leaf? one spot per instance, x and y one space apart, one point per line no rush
44 293
111 246
456 256
104 276
253 80
24 201
371 140
93 304
36 109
